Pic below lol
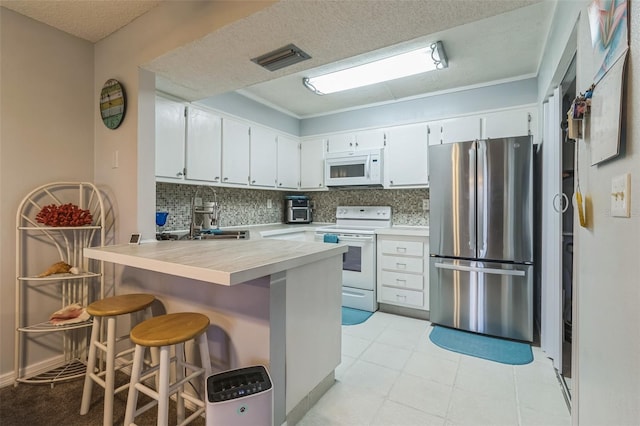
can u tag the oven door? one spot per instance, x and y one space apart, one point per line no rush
358 270
359 262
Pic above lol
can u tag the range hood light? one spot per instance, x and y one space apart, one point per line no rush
403 65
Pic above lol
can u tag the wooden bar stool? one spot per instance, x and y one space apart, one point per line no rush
164 332
108 309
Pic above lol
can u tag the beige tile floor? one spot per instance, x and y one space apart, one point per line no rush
392 374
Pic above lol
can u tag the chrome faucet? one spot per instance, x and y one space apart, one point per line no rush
210 213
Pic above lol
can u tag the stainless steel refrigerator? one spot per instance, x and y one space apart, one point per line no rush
481 236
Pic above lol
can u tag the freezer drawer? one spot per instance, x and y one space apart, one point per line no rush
487 298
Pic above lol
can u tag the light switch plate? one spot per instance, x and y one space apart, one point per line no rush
425 204
620 201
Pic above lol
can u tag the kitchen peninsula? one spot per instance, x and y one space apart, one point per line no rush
270 302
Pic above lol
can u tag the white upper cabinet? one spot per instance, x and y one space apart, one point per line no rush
406 156
435 132
352 141
235 152
312 163
170 138
342 142
515 122
370 139
461 129
263 157
204 145
288 162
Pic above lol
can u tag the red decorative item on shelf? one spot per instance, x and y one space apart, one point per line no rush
64 215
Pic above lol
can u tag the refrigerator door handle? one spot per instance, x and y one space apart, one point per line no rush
493 271
472 199
481 190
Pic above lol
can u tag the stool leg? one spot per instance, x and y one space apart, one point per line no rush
205 359
163 389
91 365
132 397
180 361
110 371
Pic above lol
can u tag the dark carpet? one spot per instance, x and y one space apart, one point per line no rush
35 405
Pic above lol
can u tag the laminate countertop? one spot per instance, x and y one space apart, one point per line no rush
224 262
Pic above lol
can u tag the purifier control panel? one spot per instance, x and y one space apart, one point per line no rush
238 383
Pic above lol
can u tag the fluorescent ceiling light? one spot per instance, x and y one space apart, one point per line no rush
403 65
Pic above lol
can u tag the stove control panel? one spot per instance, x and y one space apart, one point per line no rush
364 212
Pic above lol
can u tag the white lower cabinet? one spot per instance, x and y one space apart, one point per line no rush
403 273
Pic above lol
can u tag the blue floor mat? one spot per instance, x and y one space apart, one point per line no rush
481 346
352 316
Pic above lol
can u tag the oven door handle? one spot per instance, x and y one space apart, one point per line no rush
355 239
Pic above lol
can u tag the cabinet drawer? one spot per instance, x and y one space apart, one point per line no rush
403 264
409 248
402 297
396 279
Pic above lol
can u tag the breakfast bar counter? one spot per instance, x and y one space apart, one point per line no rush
270 302
223 261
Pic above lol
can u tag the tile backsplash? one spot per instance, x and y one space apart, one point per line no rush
249 206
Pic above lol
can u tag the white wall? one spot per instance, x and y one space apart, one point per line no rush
607 261
46 135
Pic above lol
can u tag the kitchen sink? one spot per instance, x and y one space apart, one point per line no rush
228 234
212 234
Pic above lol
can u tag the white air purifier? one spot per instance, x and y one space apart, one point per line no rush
241 397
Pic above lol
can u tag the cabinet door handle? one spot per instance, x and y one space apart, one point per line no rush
217 178
225 179
179 174
253 181
401 281
401 265
401 249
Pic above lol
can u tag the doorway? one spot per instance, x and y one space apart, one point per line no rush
568 88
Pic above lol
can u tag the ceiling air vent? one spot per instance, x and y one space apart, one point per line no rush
283 57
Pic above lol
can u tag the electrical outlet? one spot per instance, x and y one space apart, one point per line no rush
620 201
425 204
269 203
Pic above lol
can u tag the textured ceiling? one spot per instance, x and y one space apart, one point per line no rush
91 20
485 40
503 47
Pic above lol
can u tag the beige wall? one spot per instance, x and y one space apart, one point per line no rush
121 56
51 130
46 133
607 262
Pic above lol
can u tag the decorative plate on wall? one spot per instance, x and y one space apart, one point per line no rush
113 103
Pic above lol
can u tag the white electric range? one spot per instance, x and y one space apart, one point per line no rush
356 226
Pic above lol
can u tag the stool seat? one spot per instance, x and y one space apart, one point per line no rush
120 305
167 332
169 329
102 353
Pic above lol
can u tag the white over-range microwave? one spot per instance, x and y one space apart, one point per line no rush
354 168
